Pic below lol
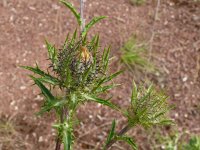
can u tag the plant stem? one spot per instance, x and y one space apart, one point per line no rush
58 141
82 16
121 132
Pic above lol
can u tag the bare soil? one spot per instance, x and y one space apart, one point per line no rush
174 41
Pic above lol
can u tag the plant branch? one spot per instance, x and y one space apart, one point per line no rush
121 132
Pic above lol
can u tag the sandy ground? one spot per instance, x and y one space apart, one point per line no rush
175 48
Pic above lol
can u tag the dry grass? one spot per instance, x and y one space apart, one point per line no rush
9 137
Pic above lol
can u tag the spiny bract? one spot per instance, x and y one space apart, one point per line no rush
78 63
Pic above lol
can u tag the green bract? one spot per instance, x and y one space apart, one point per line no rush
148 107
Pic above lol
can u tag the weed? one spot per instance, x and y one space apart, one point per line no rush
134 56
176 141
81 73
9 137
193 144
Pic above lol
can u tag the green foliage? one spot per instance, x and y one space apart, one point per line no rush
52 53
78 17
148 107
128 140
81 73
134 57
171 142
137 2
101 101
91 23
44 77
175 140
111 133
193 144
73 10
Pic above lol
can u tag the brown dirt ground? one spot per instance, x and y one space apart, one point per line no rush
175 49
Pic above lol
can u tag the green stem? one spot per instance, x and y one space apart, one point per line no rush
121 132
59 140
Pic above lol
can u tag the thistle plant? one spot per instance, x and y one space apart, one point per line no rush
80 70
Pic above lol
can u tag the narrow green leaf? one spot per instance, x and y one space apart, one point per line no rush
51 51
106 88
45 77
86 73
128 140
166 122
91 23
84 40
96 44
50 105
101 101
73 37
47 94
49 80
106 79
36 70
111 133
73 10
112 76
66 41
106 61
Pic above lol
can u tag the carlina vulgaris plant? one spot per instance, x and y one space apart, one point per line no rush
80 72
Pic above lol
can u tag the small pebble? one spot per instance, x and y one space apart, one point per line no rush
184 79
176 115
32 8
12 103
16 108
163 147
40 139
22 87
34 134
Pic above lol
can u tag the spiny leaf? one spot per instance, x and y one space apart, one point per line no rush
49 80
106 79
50 105
36 70
106 88
112 76
128 140
66 41
86 73
73 10
52 52
101 101
105 58
73 37
91 23
47 94
45 77
111 133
